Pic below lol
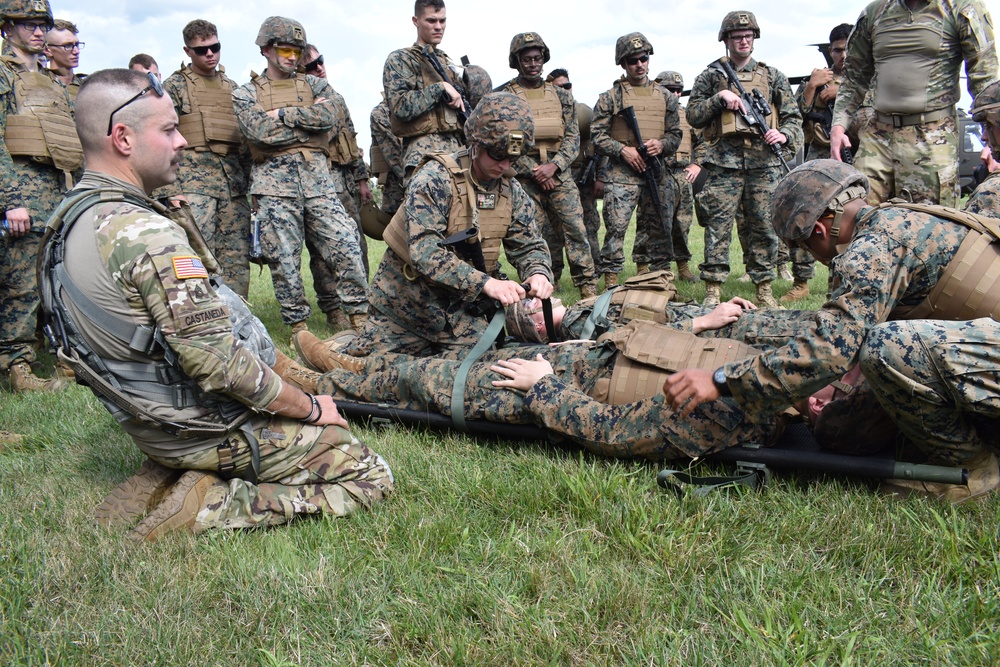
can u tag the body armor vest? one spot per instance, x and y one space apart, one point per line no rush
818 133
650 108
211 125
649 353
380 166
43 127
730 123
465 211
283 93
546 110
642 297
442 119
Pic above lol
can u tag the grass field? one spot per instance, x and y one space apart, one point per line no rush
489 553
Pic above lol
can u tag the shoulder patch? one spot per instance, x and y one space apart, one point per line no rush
188 266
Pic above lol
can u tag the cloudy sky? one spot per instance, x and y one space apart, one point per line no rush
356 37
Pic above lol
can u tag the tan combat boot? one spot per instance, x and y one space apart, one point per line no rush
765 298
588 290
178 509
713 292
294 373
339 342
610 280
800 290
316 355
137 495
684 273
23 379
984 476
336 321
358 320
745 278
641 268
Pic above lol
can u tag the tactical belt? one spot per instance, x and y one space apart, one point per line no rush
905 120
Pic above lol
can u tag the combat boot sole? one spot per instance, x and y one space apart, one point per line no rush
132 499
178 509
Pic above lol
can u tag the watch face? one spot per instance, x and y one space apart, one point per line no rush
719 377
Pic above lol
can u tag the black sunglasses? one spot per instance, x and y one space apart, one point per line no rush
203 50
567 86
644 58
314 65
154 85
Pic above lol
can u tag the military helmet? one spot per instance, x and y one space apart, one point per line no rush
627 45
520 324
527 40
809 191
584 116
986 107
374 220
477 83
741 20
670 79
501 121
26 9
279 30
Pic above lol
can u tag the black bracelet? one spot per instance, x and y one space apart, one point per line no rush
315 406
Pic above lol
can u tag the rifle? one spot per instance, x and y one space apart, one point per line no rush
652 173
589 171
256 254
756 108
432 58
467 246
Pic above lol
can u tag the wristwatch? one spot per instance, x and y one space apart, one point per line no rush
281 113
719 379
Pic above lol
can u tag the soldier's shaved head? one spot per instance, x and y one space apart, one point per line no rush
101 93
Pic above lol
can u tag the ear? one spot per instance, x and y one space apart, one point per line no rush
415 19
123 139
187 51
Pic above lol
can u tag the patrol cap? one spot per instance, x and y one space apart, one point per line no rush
670 79
281 30
26 9
503 122
986 107
527 40
477 83
810 190
739 20
630 44
374 220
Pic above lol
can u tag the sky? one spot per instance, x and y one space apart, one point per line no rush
355 37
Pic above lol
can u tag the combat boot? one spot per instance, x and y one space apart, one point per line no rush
800 290
178 509
358 320
610 280
299 326
684 273
316 355
784 273
23 379
137 495
641 268
336 321
713 293
765 298
984 476
339 342
295 373
588 290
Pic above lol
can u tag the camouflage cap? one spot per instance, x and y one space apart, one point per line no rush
26 9
739 20
527 40
584 116
670 79
502 121
627 45
477 83
280 30
809 191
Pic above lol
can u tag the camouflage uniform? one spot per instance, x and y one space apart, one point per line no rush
295 196
914 76
213 178
985 200
391 149
303 469
741 170
940 383
684 194
410 97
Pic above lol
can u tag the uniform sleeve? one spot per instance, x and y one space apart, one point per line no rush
382 136
705 103
10 184
978 46
401 80
789 115
600 127
524 245
858 71
175 87
315 118
672 133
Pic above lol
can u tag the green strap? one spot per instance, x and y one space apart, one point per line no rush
751 475
486 341
598 313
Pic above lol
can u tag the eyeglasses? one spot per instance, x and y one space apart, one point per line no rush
154 85
32 26
635 60
566 86
69 47
748 37
532 60
288 51
203 50
314 65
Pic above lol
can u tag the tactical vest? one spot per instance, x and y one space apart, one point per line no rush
650 108
730 123
466 211
969 287
442 119
815 132
379 165
43 127
546 110
211 125
344 144
283 93
649 353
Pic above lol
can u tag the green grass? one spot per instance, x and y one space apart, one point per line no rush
489 553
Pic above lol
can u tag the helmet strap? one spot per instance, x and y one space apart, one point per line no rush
836 205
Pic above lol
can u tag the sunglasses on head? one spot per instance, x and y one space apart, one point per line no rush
203 50
314 65
635 60
154 85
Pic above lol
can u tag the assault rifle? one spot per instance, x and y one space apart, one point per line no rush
432 58
589 171
756 108
824 117
652 173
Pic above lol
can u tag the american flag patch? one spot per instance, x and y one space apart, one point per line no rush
187 266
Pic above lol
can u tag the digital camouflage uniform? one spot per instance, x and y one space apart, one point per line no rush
940 383
913 59
303 469
624 189
684 194
741 170
213 178
390 176
411 96
37 186
295 196
985 200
